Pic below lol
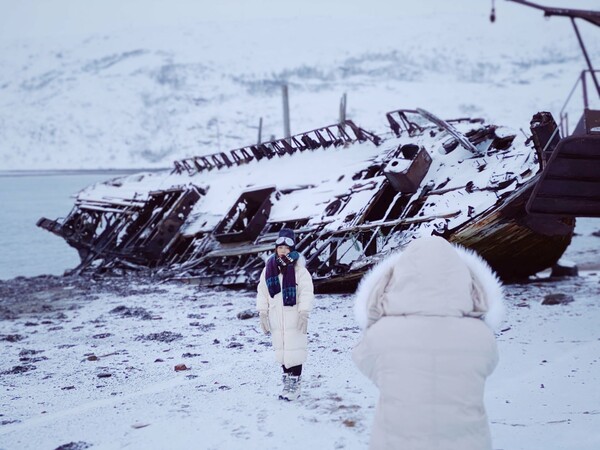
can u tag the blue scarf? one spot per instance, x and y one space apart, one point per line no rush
285 265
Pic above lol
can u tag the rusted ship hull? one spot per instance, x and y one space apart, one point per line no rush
515 243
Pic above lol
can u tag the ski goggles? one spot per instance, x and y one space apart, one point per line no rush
284 241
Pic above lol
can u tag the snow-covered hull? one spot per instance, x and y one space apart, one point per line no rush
352 196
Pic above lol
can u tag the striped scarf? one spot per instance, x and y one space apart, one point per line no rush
285 265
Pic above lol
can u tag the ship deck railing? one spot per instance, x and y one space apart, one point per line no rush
336 135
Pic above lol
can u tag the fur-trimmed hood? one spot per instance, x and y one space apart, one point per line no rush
430 277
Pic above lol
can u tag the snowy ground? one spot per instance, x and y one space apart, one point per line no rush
93 363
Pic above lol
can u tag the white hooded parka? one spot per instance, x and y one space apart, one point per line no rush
289 343
428 345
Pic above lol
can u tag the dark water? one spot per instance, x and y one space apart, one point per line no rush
25 197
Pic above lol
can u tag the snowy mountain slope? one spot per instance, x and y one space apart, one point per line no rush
142 90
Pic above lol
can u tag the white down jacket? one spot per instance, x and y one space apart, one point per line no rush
428 315
288 342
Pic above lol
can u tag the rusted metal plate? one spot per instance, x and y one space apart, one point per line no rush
246 218
514 243
570 182
406 178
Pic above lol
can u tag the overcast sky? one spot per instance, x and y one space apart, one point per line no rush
37 18
26 18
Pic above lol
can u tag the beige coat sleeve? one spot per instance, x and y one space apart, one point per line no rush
373 294
305 292
365 358
262 294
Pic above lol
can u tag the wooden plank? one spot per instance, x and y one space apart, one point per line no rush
570 183
569 188
105 209
575 168
244 249
569 206
587 147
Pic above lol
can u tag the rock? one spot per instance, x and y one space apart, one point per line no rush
74 446
557 299
8 422
181 367
203 326
30 352
247 314
165 336
27 359
125 311
11 337
18 370
235 345
101 336
564 268
196 316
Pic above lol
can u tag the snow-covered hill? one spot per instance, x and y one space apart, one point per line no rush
112 85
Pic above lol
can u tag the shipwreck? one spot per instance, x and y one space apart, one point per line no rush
352 196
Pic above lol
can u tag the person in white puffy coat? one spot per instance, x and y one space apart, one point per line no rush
428 316
284 300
